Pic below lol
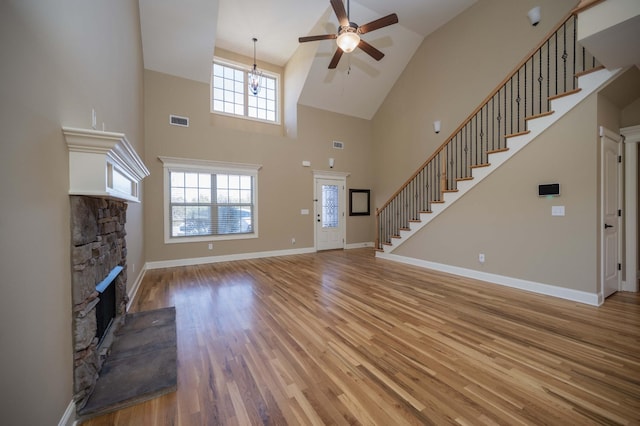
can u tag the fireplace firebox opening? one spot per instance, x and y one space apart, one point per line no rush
106 307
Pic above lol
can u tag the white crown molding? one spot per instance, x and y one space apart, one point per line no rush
103 164
208 165
330 174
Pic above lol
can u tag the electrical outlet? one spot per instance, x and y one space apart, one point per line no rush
210 246
481 257
293 241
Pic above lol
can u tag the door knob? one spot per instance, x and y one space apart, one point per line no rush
606 225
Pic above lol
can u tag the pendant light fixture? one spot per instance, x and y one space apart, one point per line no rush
255 76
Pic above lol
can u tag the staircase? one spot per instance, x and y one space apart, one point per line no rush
547 84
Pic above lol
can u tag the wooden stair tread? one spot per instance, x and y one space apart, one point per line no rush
449 190
582 73
561 95
513 135
475 166
464 178
495 151
542 114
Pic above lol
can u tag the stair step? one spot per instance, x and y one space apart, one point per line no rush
513 135
465 178
438 202
476 166
543 114
581 73
562 95
425 211
495 151
449 190
414 221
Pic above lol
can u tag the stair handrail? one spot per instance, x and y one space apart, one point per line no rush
580 6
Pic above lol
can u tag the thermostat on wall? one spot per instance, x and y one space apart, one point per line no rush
549 190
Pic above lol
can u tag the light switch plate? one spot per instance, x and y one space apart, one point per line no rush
557 210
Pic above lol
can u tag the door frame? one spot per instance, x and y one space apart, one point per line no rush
613 136
631 137
339 176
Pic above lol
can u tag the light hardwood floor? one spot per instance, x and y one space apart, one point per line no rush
340 337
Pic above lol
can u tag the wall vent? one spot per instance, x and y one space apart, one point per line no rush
338 145
176 120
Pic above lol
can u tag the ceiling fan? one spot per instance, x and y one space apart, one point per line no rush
348 37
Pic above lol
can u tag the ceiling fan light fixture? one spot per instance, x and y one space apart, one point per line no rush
348 40
255 76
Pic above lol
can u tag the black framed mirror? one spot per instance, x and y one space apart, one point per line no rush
359 202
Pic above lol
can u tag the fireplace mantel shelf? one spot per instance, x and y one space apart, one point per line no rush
103 164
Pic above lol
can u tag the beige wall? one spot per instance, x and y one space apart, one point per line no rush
60 59
453 70
284 186
631 114
504 218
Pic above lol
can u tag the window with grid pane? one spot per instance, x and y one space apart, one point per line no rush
209 204
208 200
230 94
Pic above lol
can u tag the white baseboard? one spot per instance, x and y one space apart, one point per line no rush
358 245
69 416
593 299
131 292
225 258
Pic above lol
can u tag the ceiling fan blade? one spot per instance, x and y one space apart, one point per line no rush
317 37
341 14
370 50
336 59
379 23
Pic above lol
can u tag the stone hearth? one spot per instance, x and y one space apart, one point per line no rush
97 246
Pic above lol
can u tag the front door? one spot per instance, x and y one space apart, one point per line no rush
329 211
610 207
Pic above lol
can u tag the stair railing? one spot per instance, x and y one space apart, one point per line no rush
550 70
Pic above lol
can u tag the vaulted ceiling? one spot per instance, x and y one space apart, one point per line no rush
179 37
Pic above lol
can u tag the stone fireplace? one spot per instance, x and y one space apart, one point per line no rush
98 248
104 174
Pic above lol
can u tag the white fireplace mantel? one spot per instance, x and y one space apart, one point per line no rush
103 164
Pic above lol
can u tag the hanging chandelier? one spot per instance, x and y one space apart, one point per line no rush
255 76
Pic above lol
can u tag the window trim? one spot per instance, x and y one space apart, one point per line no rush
175 164
245 68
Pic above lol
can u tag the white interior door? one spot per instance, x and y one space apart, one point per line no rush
610 236
329 213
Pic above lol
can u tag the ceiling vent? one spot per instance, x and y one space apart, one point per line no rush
176 120
338 145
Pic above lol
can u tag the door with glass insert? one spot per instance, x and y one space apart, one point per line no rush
329 214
